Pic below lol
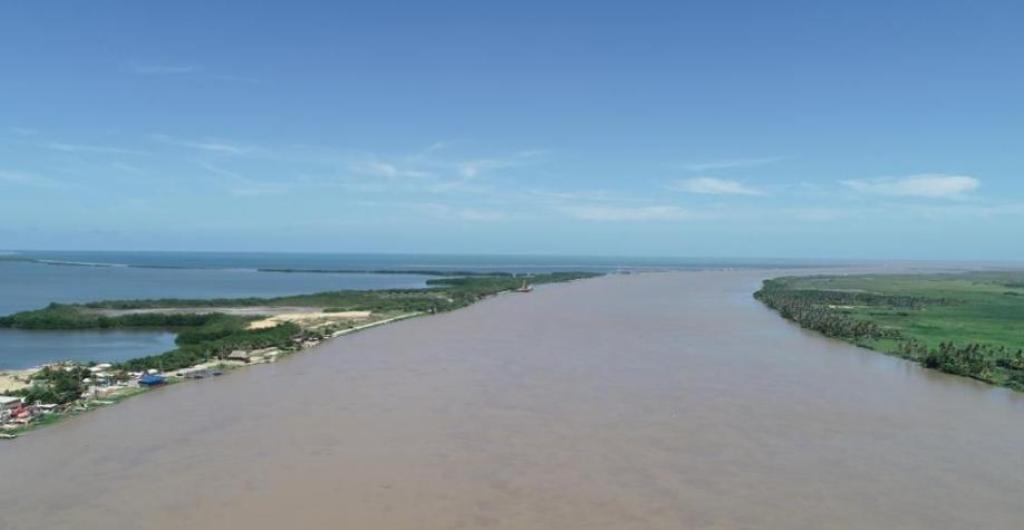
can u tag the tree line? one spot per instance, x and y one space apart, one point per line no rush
815 310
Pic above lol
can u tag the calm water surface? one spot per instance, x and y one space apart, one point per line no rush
26 349
33 279
28 285
660 401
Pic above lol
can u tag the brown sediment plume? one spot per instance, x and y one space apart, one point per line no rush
647 401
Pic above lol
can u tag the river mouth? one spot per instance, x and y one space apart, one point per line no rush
650 401
22 349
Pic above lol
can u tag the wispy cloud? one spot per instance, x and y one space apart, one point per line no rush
474 167
164 69
377 168
79 148
426 171
30 179
207 144
731 163
240 185
714 186
627 213
447 212
186 70
436 146
932 186
576 196
23 131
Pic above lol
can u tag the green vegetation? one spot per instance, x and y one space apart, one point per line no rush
206 336
968 324
441 294
70 316
203 344
58 385
417 272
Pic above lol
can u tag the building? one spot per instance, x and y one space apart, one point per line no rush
9 403
9 407
239 355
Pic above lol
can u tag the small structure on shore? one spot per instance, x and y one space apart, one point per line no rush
239 355
525 288
152 380
9 407
9 402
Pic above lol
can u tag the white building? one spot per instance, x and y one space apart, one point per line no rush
9 402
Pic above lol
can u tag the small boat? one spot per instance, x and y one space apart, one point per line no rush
152 380
525 288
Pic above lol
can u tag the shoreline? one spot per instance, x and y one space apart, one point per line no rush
106 384
903 316
422 423
173 377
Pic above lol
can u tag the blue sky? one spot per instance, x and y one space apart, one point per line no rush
756 129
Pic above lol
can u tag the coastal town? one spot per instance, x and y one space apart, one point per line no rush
214 337
94 385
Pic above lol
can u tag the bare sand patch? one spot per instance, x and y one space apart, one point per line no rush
14 379
308 319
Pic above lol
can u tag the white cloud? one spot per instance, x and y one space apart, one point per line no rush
714 186
559 197
376 168
437 146
627 213
79 148
208 145
473 168
935 186
730 163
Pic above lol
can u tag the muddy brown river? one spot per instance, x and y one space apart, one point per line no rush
655 401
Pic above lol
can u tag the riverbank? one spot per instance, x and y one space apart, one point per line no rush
647 401
967 324
97 396
217 335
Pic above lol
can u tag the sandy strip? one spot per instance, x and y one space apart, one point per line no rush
14 379
310 318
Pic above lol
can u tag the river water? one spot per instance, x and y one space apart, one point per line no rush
32 279
653 401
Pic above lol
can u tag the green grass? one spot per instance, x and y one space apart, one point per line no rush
931 318
961 308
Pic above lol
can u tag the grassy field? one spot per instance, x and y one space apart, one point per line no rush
970 324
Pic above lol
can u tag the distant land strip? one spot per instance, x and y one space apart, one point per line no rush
968 324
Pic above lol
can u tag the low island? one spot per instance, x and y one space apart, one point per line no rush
214 335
